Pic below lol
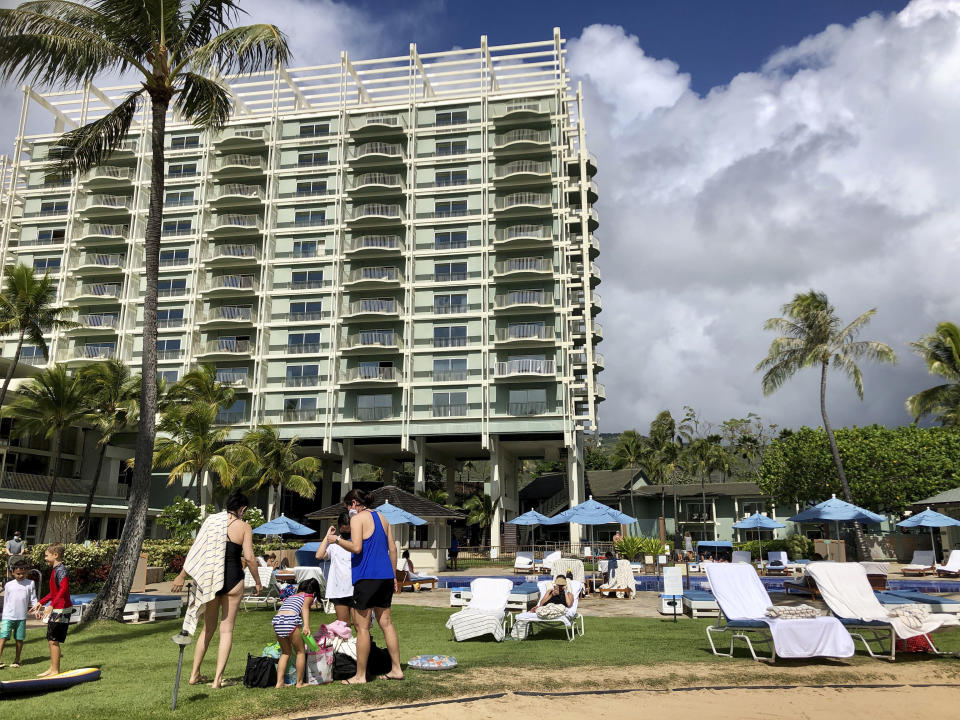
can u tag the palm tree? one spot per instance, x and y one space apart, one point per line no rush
630 450
114 393
191 443
46 406
812 335
179 52
200 385
262 457
480 512
941 352
27 310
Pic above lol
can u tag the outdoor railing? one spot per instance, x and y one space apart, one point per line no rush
522 298
525 332
242 161
376 210
522 167
229 312
525 264
376 180
523 199
237 190
525 366
102 259
252 222
371 274
118 202
374 413
527 408
238 282
99 320
392 150
375 242
232 251
525 232
110 172
228 345
524 135
233 379
99 289
386 374
372 306
372 339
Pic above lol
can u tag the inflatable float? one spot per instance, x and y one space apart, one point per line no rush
52 682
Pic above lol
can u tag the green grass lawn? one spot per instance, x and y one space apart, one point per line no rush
139 664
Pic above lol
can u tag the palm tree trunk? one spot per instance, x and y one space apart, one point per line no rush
110 601
83 532
12 369
835 451
54 469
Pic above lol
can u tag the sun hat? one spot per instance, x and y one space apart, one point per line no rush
561 581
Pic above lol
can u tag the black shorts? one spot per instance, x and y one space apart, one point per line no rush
57 631
372 594
347 600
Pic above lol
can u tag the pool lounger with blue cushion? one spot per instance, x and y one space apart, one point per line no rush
155 607
700 603
933 603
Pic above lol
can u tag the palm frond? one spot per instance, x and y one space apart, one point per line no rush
932 400
203 101
79 150
245 49
852 330
846 364
207 18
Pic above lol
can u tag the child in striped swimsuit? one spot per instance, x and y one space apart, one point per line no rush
293 614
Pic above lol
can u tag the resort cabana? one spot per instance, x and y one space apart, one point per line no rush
427 543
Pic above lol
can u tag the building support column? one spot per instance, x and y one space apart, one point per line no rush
326 482
346 470
419 466
452 484
497 482
389 469
575 486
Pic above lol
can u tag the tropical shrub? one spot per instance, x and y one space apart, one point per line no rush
636 545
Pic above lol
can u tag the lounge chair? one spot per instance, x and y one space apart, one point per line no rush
271 588
408 580
876 573
571 567
525 623
804 585
952 568
777 563
742 556
622 584
933 603
547 563
924 561
743 602
523 561
485 614
848 594
700 603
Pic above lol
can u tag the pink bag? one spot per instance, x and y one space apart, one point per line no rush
320 664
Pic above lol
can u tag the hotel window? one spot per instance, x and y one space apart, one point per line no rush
51 235
374 407
303 342
172 287
532 401
306 218
449 404
167 349
307 279
451 147
170 258
312 187
303 375
448 178
302 408
450 272
176 199
185 142
168 376
450 336
42 265
169 317
452 117
304 248
450 369
54 207
311 159
181 170
455 240
450 208
177 227
450 304
306 310
314 130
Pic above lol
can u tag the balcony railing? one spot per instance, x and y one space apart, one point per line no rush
237 190
171 322
523 232
228 345
525 366
522 135
230 418
450 410
254 162
523 265
233 251
105 260
377 180
372 339
229 312
372 305
99 320
116 202
523 409
110 172
232 282
523 297
241 133
96 352
442 277
375 242
448 342
374 413
450 308
522 167
302 380
524 199
371 149
385 374
525 332
171 291
234 379
374 274
302 348
449 375
251 222
305 316
299 414
376 120
99 289
532 106
376 210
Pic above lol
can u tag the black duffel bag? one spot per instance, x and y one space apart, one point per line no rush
345 667
261 672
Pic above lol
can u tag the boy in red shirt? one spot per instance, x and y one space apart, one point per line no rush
59 599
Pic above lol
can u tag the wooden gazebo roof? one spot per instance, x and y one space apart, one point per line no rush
419 506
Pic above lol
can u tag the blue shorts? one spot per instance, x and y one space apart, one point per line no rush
13 629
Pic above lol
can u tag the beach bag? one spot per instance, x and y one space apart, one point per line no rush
344 667
261 672
916 644
320 665
379 663
272 651
553 611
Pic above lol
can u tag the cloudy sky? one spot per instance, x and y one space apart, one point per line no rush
747 151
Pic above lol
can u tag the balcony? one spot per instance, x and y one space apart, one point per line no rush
241 137
233 224
599 360
89 352
231 284
372 414
375 214
303 348
522 109
299 381
376 182
301 415
521 300
522 171
573 164
371 307
227 315
575 220
232 254
373 277
233 378
376 153
94 291
108 175
574 191
519 236
446 410
523 267
532 334
522 140
236 194
374 375
98 321
525 368
526 409
226 346
171 291
230 418
301 316
373 340
523 202
98 262
309 284
106 204
239 164
169 323
379 123
600 391
375 245
308 219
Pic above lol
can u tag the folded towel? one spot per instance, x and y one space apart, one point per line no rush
792 612
913 616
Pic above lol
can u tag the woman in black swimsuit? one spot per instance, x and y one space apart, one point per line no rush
239 545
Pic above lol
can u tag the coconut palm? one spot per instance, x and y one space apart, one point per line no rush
200 385
45 407
941 352
115 392
262 457
480 512
180 52
812 335
27 310
629 451
190 442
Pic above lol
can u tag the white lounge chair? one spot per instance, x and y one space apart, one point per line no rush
572 621
743 602
952 568
742 556
623 583
271 589
924 561
523 562
571 567
547 563
485 614
846 591
778 563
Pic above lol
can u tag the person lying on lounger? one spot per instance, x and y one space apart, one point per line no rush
557 595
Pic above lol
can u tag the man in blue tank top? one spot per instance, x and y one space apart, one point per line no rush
374 580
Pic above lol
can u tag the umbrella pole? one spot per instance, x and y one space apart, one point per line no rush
933 546
760 542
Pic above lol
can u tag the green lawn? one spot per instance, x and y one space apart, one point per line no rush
139 664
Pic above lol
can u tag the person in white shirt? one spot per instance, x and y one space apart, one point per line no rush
340 580
19 595
406 565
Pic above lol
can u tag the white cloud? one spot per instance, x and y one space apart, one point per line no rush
834 166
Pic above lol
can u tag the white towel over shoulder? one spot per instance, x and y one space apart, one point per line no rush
204 563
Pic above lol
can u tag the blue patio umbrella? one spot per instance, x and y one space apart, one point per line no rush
530 517
758 522
929 519
837 511
592 513
398 516
283 526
